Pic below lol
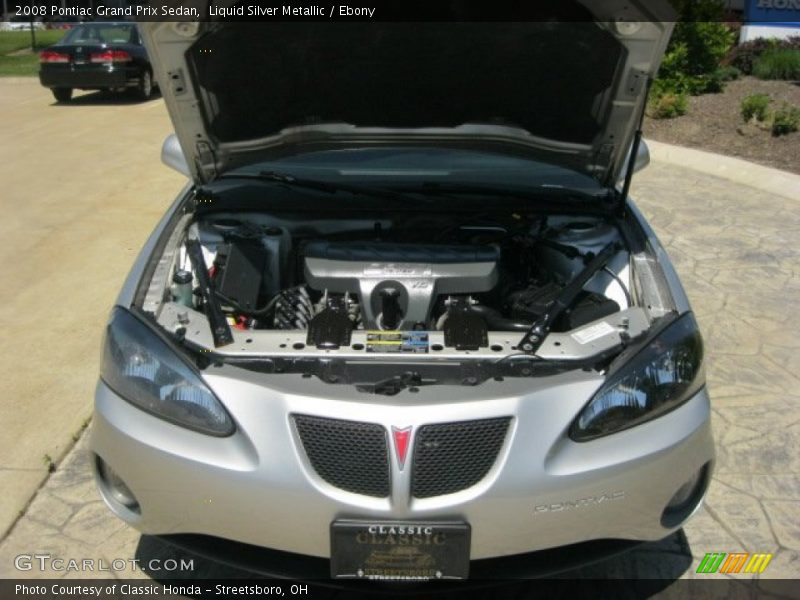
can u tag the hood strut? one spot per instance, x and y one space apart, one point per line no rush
622 201
220 330
541 327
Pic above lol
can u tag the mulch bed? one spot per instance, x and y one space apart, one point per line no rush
714 123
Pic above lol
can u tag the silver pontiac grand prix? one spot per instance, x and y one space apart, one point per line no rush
405 322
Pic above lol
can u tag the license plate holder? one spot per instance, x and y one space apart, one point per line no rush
399 550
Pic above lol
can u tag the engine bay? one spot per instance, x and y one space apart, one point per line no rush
395 285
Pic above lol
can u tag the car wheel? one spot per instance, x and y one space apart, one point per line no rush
145 88
62 94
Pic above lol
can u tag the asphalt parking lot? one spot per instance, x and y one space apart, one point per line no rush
82 188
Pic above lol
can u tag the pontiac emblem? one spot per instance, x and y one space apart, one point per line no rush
401 438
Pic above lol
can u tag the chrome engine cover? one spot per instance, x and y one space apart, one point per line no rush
345 267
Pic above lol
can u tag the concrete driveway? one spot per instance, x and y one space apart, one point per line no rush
83 186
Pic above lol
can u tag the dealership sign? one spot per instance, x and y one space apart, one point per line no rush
778 12
770 19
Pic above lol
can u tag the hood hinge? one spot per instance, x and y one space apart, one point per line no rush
600 159
603 153
206 161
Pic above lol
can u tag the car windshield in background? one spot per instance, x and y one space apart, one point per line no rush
102 34
410 166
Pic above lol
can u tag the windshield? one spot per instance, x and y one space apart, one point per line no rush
102 34
409 167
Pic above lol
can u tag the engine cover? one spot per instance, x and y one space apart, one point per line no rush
410 275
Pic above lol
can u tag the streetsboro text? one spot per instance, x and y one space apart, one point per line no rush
149 589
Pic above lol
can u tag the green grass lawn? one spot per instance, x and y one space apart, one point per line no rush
14 60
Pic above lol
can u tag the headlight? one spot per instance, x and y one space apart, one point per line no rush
660 377
141 368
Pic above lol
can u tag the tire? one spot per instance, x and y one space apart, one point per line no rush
62 94
145 88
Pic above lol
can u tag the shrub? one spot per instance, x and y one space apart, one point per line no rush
755 106
778 64
709 84
786 120
668 105
707 44
744 56
727 73
674 75
698 45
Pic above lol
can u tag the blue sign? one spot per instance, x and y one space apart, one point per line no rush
785 13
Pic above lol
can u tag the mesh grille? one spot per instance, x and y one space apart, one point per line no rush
450 457
349 455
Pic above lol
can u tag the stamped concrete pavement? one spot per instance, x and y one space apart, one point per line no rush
736 247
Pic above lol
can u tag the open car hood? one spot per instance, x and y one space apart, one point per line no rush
564 92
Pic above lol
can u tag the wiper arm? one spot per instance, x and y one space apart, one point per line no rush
425 189
317 185
544 191
541 327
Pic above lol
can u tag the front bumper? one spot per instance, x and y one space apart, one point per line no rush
256 487
272 564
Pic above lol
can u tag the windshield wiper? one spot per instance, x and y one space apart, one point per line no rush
423 189
432 188
318 185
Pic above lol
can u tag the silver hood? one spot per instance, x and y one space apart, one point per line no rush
568 93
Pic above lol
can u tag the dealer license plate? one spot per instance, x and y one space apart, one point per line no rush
399 550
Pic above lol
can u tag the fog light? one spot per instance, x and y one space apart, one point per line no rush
684 492
685 500
116 487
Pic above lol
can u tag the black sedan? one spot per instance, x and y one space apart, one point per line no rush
97 56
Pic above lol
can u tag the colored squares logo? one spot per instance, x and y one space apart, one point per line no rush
736 562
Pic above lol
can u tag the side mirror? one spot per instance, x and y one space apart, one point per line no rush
642 160
642 157
172 155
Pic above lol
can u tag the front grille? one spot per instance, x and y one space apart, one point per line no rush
450 457
349 455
